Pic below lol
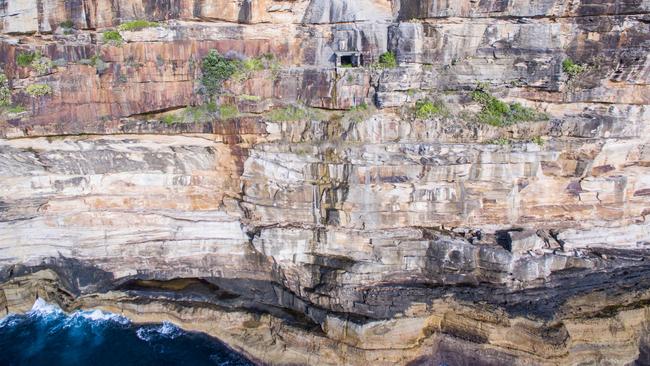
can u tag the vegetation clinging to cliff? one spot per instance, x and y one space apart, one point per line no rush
216 69
136 25
427 109
294 113
25 59
387 60
112 36
571 68
498 113
38 90
41 64
67 24
227 111
5 91
36 61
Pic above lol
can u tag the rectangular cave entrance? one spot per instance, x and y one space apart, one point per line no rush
348 59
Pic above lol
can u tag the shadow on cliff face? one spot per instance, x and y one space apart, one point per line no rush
546 301
245 12
163 9
457 352
644 348
75 276
254 296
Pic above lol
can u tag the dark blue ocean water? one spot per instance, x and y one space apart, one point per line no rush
49 337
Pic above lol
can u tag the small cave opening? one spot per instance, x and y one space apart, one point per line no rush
348 59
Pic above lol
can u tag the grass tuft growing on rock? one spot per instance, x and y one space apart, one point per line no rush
38 90
112 36
15 109
387 60
5 91
572 69
538 140
170 119
216 70
358 113
293 114
501 141
425 109
498 113
25 59
191 114
250 98
228 111
136 25
41 64
67 24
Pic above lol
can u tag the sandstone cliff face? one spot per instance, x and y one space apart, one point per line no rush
357 230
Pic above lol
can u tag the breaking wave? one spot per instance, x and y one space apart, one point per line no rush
46 335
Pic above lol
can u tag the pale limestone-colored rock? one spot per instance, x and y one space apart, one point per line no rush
523 242
376 227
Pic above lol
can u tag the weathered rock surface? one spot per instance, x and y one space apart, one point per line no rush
338 236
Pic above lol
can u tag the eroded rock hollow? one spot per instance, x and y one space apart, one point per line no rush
365 182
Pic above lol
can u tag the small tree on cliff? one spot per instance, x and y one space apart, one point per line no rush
216 69
5 91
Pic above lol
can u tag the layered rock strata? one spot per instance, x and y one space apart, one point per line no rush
338 236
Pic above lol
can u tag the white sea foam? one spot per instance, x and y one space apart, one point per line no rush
166 330
42 307
169 330
144 334
100 316
9 320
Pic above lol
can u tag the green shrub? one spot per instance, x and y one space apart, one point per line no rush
113 37
67 24
571 68
271 63
5 91
216 69
427 109
169 119
359 108
253 64
358 113
246 67
501 141
41 64
387 60
25 59
228 111
38 90
253 98
36 61
136 25
497 113
520 113
287 114
15 109
192 114
538 140
292 114
200 113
